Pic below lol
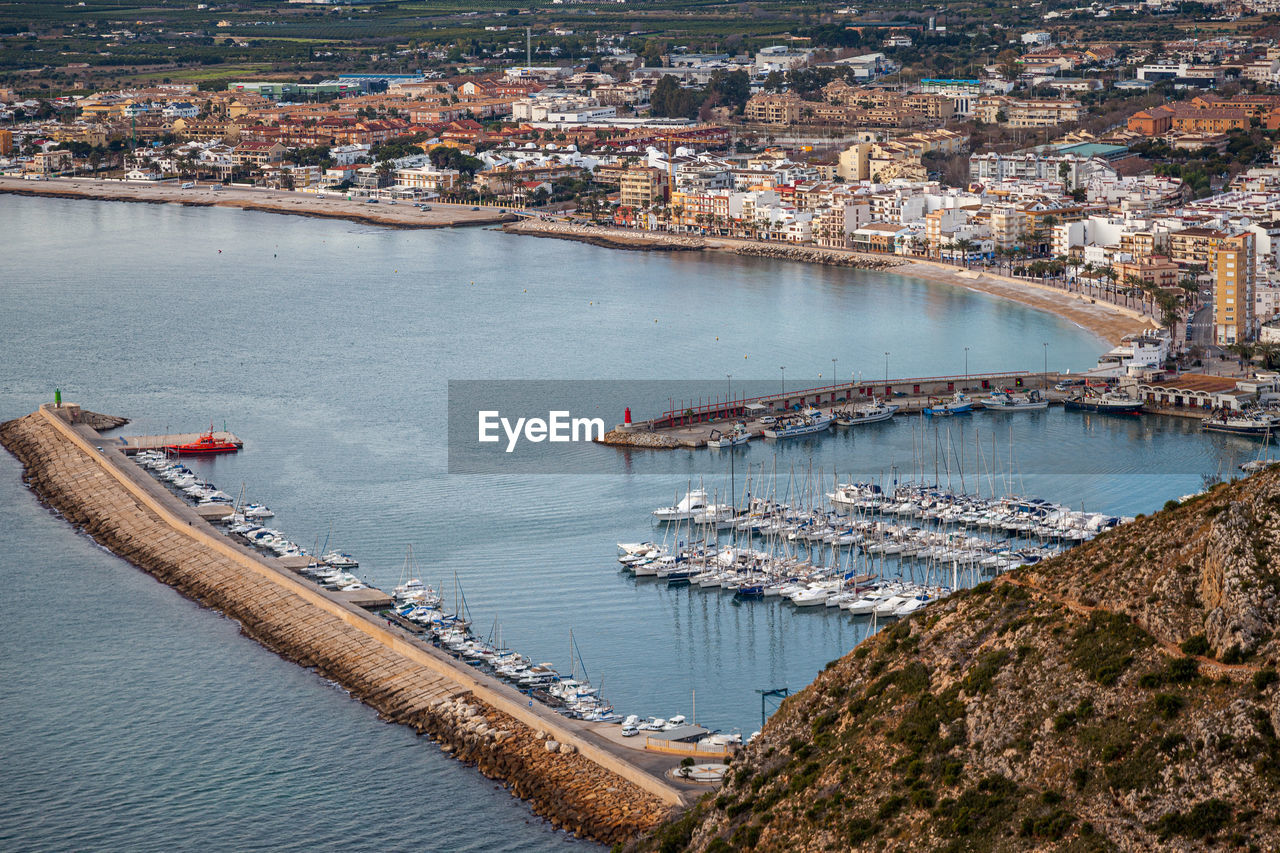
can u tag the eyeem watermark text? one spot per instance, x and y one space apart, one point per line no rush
559 427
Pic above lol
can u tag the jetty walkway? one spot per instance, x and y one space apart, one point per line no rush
688 423
574 776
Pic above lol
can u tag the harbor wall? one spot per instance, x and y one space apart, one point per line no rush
580 786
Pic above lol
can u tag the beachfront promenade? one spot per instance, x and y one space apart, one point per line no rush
476 718
1109 320
333 204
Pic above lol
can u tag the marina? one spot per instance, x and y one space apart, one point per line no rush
407 680
869 551
337 447
412 605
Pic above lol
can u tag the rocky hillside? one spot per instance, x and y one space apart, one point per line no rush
1121 697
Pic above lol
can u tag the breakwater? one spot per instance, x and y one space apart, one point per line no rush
637 438
333 205
810 255
661 241
583 787
609 238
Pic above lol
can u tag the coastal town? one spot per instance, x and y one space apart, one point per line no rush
926 360
1141 175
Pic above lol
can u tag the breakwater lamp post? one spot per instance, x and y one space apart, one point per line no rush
966 365
886 369
784 379
729 398
1045 381
835 377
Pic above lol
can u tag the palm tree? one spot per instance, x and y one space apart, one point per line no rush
1111 276
1072 263
965 245
1135 283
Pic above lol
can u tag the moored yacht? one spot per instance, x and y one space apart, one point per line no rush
694 502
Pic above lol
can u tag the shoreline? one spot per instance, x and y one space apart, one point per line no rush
331 206
556 765
1108 322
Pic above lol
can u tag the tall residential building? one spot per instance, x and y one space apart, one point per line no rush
641 187
6 143
1231 263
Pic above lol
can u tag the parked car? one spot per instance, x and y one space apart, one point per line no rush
630 731
768 420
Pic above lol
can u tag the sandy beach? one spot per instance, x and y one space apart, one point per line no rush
333 205
1110 322
1107 321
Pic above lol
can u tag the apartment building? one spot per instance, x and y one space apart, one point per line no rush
1194 246
641 187
1231 266
773 109
1027 113
428 178
1157 271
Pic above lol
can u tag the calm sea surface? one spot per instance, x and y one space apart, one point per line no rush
130 718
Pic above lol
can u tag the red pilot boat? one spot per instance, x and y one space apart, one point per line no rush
205 444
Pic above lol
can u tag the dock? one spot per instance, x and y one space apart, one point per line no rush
131 444
559 765
690 425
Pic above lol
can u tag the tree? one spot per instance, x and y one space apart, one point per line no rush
731 89
1008 64
670 100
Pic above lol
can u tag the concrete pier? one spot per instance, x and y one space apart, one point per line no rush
131 444
586 784
690 425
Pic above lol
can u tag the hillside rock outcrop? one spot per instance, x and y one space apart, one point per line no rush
1123 696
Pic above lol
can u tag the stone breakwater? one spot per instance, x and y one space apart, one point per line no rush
343 644
811 255
618 238
624 438
588 800
609 238
331 206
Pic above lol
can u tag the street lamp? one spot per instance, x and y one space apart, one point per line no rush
784 379
729 376
835 377
1045 344
966 365
886 368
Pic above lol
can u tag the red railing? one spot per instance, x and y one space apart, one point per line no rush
722 406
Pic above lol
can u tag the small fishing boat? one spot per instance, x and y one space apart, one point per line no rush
808 422
1107 402
1257 423
868 413
957 405
734 437
1005 400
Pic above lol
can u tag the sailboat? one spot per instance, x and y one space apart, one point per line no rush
1264 461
